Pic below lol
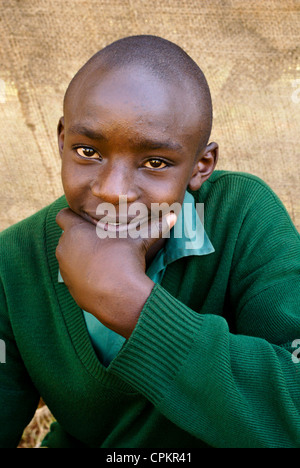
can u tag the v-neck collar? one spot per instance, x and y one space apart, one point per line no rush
72 313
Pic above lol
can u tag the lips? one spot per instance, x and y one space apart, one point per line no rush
115 224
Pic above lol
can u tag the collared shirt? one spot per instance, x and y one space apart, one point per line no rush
186 238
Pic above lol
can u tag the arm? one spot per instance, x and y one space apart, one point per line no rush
230 390
18 397
106 276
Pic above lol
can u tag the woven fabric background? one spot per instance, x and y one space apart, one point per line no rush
249 51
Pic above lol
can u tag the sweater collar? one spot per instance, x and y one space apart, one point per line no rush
187 238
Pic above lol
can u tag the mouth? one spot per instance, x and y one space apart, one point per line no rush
115 225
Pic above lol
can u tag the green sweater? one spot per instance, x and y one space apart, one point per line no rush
211 361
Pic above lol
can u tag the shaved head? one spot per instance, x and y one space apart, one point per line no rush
160 57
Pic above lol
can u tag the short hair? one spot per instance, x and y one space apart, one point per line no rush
165 60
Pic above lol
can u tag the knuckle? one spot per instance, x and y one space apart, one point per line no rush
58 251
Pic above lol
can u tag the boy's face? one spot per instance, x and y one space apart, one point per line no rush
128 133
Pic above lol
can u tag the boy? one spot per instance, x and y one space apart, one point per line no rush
139 341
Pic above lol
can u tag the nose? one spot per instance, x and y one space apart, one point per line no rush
113 183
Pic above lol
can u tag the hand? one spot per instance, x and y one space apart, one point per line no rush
106 277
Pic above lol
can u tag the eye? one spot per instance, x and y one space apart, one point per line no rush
155 164
86 152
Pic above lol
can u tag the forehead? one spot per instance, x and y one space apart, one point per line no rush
135 99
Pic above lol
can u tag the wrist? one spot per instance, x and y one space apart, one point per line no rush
136 297
119 308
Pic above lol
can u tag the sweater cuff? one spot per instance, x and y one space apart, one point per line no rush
158 346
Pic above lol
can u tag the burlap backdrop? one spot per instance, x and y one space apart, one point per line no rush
248 49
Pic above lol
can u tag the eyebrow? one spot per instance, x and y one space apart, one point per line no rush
144 143
86 131
139 143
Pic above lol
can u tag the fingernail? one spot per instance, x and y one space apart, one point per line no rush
171 219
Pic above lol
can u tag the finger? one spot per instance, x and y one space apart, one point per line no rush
161 227
66 218
158 228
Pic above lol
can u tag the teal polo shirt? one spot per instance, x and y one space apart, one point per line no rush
187 238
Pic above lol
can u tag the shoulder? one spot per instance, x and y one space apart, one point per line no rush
236 199
32 226
28 236
237 190
235 183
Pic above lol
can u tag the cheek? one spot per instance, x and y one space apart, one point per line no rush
75 183
171 190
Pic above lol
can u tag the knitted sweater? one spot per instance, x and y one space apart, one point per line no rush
211 361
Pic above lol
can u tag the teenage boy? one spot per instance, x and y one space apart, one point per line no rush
139 341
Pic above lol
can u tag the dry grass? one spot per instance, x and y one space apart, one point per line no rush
37 429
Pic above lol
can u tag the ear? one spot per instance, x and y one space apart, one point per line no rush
204 167
61 135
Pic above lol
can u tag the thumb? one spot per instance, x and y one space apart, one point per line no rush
159 228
